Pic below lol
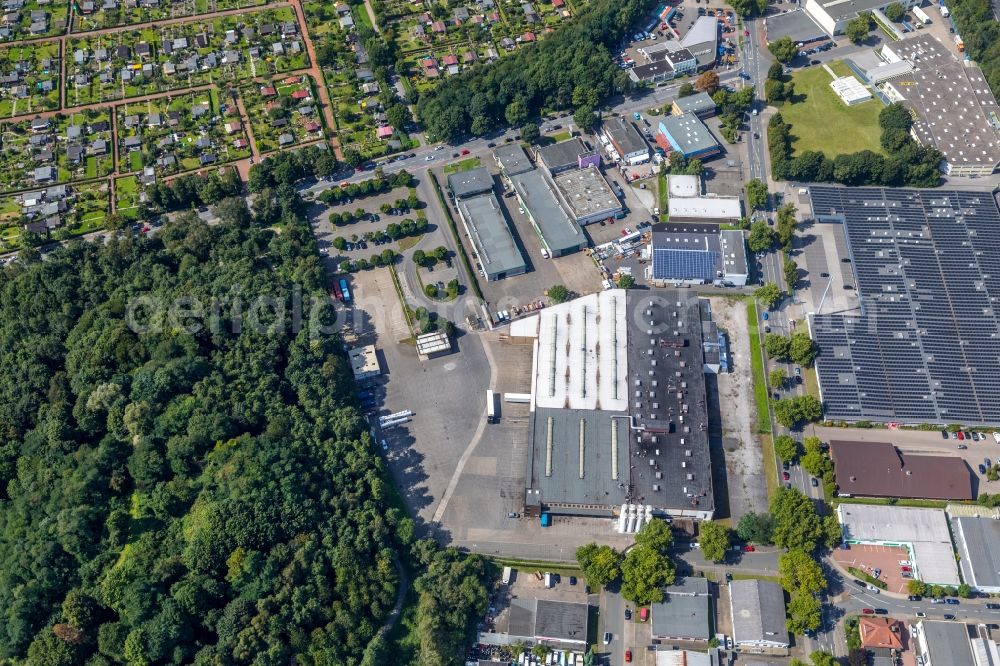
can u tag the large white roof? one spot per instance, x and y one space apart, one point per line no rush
581 360
707 208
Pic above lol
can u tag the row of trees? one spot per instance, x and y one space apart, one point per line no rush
384 258
644 572
798 348
795 411
981 33
571 68
392 231
367 188
905 163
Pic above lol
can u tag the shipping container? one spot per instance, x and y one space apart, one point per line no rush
344 290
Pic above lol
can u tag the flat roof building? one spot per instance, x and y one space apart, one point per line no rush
834 15
758 614
923 532
940 643
558 233
693 254
626 140
664 61
978 542
957 112
604 427
364 362
433 344
711 208
685 612
797 25
702 40
486 225
701 104
879 469
470 183
560 622
587 196
512 159
850 90
688 135
558 157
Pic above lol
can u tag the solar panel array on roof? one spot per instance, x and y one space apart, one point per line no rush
927 344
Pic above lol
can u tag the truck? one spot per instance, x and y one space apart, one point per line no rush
546 520
959 43
636 116
506 575
921 15
335 290
491 406
944 11
344 290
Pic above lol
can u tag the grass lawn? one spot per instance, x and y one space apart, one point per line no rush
562 136
757 366
464 165
820 120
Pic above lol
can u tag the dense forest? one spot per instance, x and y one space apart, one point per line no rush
981 33
195 490
571 68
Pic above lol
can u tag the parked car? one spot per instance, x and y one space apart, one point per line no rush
881 611
961 436
949 616
944 433
914 597
628 613
628 656
905 569
465 151
749 548
921 614
961 446
868 611
872 588
937 601
814 482
996 436
951 602
607 637
860 583
974 435
982 469
993 606
785 476
572 580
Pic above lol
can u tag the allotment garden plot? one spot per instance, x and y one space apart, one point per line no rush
180 133
283 112
29 78
132 63
68 210
98 14
56 149
33 18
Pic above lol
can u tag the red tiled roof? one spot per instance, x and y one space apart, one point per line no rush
879 469
292 79
881 632
528 37
268 91
450 59
300 94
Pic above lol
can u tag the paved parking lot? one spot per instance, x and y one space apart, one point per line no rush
869 557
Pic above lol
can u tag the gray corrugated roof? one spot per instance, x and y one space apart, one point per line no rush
561 620
695 103
512 159
558 231
947 643
979 544
471 182
687 133
758 611
684 611
625 135
562 154
498 253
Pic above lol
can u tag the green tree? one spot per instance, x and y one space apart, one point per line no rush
769 294
777 378
804 613
755 528
686 90
821 658
857 28
785 225
802 349
786 448
600 564
777 346
790 271
431 290
796 525
799 572
965 591
645 572
419 257
895 12
783 49
761 237
757 196
585 118
530 133
916 587
714 539
559 294
656 534
625 281
791 412
895 117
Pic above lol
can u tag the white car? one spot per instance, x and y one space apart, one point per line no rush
607 637
428 158
996 436
873 589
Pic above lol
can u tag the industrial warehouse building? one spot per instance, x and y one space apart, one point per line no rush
559 624
923 532
942 643
758 614
566 155
495 248
512 159
924 348
623 419
702 40
662 62
834 15
797 25
956 110
978 542
587 196
624 142
697 254
558 232
700 104
685 614
688 135
879 469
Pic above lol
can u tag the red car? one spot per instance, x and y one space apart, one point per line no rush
746 33
906 569
465 151
868 611
628 656
785 476
961 435
749 548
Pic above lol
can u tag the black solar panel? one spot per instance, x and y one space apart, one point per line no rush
926 346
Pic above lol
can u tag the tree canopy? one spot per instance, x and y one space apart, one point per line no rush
783 49
714 539
599 564
569 69
183 490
